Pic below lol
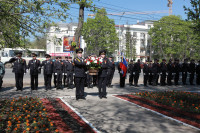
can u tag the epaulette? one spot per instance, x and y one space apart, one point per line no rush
78 59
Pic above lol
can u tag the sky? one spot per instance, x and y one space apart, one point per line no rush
120 6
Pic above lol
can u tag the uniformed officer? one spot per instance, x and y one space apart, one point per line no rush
163 68
19 69
35 69
137 71
102 75
80 75
198 73
192 69
2 72
111 70
89 77
70 72
150 79
55 74
184 69
169 72
155 72
130 70
146 72
177 70
47 71
65 71
58 69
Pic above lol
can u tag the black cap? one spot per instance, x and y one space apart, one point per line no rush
47 55
185 59
199 61
150 61
57 57
18 53
102 52
138 60
66 57
192 60
155 59
131 60
79 50
69 57
163 59
111 57
170 60
34 54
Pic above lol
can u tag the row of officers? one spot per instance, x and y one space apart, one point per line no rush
167 71
73 73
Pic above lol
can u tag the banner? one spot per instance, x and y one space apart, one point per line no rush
67 43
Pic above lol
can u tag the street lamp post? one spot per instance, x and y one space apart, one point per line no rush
119 36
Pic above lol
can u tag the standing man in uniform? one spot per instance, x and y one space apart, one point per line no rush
130 70
79 69
184 69
47 71
177 70
70 72
137 70
155 71
58 68
150 79
169 72
163 68
192 69
65 71
102 75
55 74
111 67
146 73
198 73
19 69
2 72
35 69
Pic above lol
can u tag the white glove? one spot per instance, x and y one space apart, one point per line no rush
27 70
24 73
144 73
133 73
65 73
73 74
55 73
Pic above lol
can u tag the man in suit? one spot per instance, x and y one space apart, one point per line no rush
150 79
80 75
19 69
170 67
130 70
70 72
137 70
55 74
184 69
177 70
163 68
65 71
198 73
146 73
192 69
58 69
35 69
155 72
47 71
111 70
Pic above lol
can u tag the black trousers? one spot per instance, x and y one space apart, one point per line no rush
191 78
184 77
47 79
102 86
198 79
169 79
1 81
59 80
55 80
150 80
95 80
65 80
109 77
79 83
146 76
176 78
131 76
34 82
163 79
89 80
70 79
136 77
155 78
122 80
19 80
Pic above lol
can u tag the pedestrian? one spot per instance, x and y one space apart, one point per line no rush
155 72
192 69
35 69
177 70
184 69
169 72
150 79
163 68
111 70
102 75
79 69
58 69
89 76
130 70
47 71
70 72
55 74
19 68
65 62
137 70
2 73
198 73
145 73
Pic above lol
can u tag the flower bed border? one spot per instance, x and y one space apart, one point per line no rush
127 98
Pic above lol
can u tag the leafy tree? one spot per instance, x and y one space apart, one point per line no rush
22 18
173 37
38 43
100 33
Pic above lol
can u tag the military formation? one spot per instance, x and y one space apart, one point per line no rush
68 73
168 72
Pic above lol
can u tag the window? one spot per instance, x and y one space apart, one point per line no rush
58 49
149 26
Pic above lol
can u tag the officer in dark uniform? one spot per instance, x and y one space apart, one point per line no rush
146 72
79 69
58 69
130 70
163 68
192 69
150 79
198 73
177 70
155 72
89 77
65 71
70 72
102 75
47 71
137 71
111 67
19 69
184 69
35 69
55 74
169 72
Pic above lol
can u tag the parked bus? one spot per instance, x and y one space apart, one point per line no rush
7 53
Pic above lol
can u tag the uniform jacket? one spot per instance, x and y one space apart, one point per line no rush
47 67
111 66
192 68
103 71
34 66
156 68
80 67
185 67
58 67
198 69
146 69
130 68
170 67
177 68
137 68
2 69
70 67
163 67
19 66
